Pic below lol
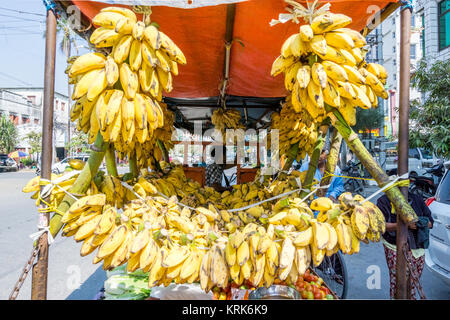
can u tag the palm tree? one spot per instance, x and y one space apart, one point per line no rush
8 135
65 46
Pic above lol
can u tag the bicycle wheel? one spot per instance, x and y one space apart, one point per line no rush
334 272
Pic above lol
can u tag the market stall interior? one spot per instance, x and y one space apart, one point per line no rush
167 67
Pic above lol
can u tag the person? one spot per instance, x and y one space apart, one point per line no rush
416 254
214 171
336 185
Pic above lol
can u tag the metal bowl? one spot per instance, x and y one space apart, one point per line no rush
275 292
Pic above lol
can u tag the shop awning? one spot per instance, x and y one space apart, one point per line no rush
201 34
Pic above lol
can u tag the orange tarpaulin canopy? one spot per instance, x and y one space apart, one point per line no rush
200 33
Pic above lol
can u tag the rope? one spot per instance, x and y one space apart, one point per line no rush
407 4
299 11
390 185
328 174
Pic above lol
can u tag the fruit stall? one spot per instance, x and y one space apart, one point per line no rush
297 67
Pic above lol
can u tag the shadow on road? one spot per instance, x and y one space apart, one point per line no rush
90 287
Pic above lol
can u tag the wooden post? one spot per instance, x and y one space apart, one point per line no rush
40 268
402 289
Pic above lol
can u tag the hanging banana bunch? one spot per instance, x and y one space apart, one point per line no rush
324 63
119 95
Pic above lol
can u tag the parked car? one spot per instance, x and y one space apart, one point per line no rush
7 164
61 166
419 160
437 256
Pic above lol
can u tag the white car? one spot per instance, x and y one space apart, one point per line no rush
437 256
61 166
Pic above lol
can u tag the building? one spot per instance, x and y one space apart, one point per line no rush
434 16
390 33
24 107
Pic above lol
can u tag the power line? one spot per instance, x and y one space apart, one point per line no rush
25 12
20 18
14 78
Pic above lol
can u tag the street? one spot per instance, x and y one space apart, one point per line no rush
74 277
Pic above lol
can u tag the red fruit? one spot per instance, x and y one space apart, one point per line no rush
317 296
304 294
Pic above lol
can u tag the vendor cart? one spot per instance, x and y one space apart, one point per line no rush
230 46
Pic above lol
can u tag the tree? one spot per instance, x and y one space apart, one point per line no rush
78 143
8 135
430 116
34 139
367 120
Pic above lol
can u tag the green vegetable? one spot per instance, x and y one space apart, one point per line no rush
329 297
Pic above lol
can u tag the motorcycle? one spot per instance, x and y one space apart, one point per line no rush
426 186
353 185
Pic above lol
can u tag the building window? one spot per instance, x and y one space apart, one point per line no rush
63 106
413 52
393 49
413 21
444 24
422 34
36 121
32 99
56 105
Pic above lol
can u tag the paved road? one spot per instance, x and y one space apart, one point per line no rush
75 277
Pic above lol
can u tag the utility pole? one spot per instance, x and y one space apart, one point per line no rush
40 268
402 286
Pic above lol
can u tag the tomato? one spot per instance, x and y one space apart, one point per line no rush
300 279
308 287
326 290
310 295
304 294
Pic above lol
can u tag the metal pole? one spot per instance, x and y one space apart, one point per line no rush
402 291
40 269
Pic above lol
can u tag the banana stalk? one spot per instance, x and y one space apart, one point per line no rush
132 163
314 159
110 159
401 205
163 150
332 159
82 183
291 155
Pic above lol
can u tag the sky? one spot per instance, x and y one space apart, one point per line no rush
22 46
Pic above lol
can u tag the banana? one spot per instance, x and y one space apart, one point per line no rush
112 71
121 49
151 34
318 75
163 60
339 40
107 19
306 33
328 22
113 242
83 85
243 253
281 64
172 49
354 76
333 55
106 222
129 81
138 30
303 76
125 26
335 71
123 11
358 38
319 45
315 94
331 95
103 37
87 62
165 79
135 55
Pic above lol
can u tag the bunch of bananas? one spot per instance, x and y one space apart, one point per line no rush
224 119
58 192
324 63
184 246
119 95
294 127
